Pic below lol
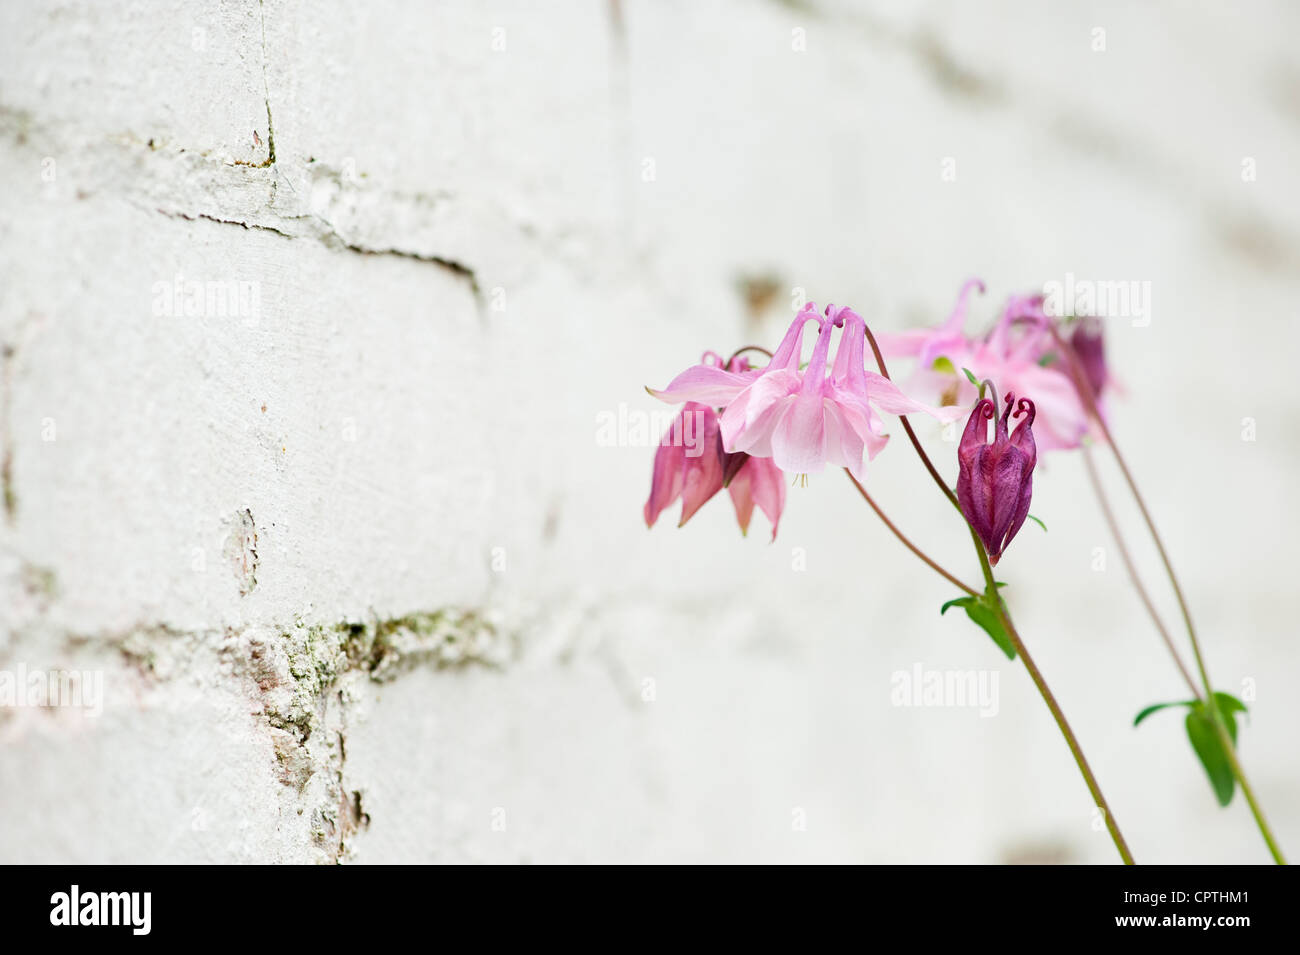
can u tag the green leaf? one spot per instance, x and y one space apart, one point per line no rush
1205 739
1159 706
1036 521
970 375
1229 706
1208 747
986 618
959 602
989 621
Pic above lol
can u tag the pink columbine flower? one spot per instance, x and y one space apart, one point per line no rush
691 464
1018 354
995 481
804 419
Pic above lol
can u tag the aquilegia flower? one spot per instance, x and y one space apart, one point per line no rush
804 419
1018 353
995 481
691 464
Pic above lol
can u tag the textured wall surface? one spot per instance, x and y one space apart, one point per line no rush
362 576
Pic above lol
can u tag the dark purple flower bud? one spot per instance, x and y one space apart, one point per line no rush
1090 345
996 480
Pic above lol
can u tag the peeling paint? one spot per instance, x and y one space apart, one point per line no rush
300 677
240 550
294 668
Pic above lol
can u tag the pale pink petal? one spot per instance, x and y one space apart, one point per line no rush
767 487
755 437
799 438
666 480
886 396
706 384
702 474
748 421
1062 420
844 445
866 426
741 490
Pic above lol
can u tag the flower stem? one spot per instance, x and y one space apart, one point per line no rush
1255 809
907 543
991 588
1132 569
1045 692
1084 387
740 351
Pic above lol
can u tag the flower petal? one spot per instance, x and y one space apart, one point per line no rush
886 396
702 474
799 438
666 479
706 384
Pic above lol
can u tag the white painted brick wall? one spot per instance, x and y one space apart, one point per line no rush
460 266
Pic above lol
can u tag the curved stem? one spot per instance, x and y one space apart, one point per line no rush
1084 388
1132 569
907 543
740 351
1045 692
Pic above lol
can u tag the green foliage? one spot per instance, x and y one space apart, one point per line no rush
982 612
1207 743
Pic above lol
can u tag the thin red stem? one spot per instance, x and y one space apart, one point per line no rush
907 543
1132 570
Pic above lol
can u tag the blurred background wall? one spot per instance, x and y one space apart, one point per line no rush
361 574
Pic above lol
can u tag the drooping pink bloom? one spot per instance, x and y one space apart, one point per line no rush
995 481
1018 354
805 418
691 464
688 464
